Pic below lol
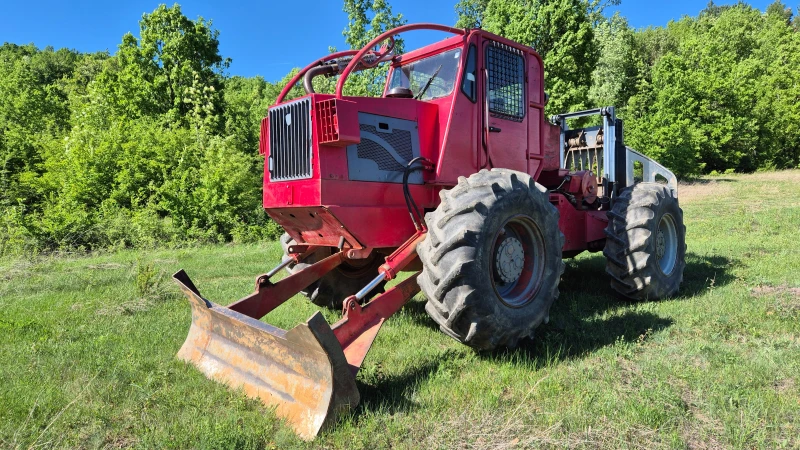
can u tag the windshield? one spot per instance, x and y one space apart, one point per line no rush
437 72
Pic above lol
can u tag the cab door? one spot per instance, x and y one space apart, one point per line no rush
505 127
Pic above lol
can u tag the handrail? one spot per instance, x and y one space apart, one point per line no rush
316 63
395 31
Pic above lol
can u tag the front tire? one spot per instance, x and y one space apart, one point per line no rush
492 259
646 243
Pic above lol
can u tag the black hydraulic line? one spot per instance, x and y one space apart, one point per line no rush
416 219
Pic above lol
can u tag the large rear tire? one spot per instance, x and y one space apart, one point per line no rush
341 282
492 259
646 245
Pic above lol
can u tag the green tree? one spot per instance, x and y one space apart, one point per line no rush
175 69
34 115
560 30
615 76
181 54
367 19
777 108
470 13
246 102
696 112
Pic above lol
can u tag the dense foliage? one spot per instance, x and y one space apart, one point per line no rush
156 144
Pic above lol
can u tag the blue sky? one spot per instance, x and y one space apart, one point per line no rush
264 38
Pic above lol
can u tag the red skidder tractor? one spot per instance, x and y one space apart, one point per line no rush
460 136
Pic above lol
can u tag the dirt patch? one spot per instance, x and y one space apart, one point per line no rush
786 299
783 385
723 186
521 430
714 188
700 363
17 269
165 261
105 266
778 291
120 441
125 309
701 431
791 176
630 374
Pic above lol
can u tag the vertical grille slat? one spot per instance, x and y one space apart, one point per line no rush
307 132
291 161
296 130
290 141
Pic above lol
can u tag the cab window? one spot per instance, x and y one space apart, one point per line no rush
429 78
506 88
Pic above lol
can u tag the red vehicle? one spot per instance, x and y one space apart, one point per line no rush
454 175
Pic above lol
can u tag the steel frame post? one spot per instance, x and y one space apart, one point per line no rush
269 296
359 325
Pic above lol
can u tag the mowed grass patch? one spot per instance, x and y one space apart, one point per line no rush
87 355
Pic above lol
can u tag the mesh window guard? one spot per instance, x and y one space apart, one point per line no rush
506 92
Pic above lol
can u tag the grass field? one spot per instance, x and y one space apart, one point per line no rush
87 349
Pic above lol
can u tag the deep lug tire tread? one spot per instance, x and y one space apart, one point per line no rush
454 278
630 245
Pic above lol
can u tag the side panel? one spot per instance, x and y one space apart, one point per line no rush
583 230
367 213
572 223
375 213
387 146
551 141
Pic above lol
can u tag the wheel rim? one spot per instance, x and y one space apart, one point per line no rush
518 259
666 244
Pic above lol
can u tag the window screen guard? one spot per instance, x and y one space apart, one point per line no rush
506 90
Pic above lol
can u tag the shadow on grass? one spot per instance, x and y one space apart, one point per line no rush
702 181
392 394
705 272
415 310
586 317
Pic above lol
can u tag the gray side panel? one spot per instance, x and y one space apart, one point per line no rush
387 145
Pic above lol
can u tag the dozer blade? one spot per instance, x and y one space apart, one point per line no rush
302 372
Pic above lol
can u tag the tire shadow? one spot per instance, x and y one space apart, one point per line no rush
586 317
704 272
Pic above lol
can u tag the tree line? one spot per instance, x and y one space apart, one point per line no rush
157 145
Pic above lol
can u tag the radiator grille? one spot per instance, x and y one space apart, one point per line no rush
290 145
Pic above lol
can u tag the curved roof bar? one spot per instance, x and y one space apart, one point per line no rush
385 35
316 63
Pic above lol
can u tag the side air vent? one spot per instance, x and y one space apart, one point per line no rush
290 145
387 145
